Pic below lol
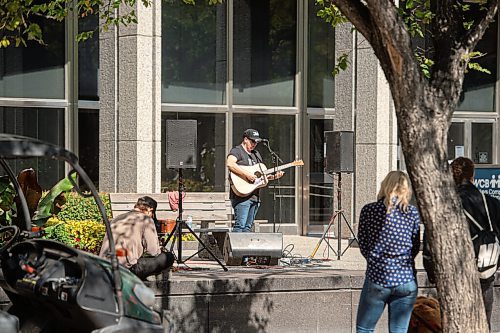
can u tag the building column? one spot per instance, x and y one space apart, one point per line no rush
130 104
376 126
344 120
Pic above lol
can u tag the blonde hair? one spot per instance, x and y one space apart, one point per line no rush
396 185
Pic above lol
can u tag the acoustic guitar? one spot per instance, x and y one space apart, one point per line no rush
243 188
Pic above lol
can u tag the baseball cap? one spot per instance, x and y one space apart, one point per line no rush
251 134
148 201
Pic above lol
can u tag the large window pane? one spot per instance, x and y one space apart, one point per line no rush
482 143
209 175
321 183
321 60
35 71
280 130
456 147
264 52
479 88
88 60
88 142
39 123
193 53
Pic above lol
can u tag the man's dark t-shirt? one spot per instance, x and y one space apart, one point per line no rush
244 158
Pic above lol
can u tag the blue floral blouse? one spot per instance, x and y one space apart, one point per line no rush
389 242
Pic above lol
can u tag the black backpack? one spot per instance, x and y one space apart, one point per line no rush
486 246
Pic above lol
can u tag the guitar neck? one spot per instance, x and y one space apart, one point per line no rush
281 167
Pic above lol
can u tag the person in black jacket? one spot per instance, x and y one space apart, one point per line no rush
472 202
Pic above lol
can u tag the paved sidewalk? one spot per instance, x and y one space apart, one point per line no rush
301 247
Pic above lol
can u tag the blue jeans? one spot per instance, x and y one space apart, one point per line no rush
244 214
372 302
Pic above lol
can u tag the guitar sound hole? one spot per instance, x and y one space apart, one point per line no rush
258 174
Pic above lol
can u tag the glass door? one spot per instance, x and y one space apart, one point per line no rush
472 138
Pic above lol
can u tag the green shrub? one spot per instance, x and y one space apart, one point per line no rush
78 208
84 235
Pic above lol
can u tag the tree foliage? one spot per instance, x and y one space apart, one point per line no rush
18 18
417 16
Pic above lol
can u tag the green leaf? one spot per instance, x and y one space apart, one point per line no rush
45 208
477 67
34 32
341 65
83 36
468 25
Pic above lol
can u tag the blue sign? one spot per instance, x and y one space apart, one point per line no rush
487 180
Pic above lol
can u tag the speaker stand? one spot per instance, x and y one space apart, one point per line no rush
177 231
339 216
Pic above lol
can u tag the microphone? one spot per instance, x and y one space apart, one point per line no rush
262 140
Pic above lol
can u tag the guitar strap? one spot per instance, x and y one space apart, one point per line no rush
254 155
258 158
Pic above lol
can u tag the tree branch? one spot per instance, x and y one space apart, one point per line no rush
446 29
451 47
471 39
389 24
392 45
358 14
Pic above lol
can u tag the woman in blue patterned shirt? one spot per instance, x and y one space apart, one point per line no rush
388 236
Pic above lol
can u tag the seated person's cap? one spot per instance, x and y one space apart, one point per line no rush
251 134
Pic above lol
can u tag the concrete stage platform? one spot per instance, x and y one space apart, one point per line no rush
318 297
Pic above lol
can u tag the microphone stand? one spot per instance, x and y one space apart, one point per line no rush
275 159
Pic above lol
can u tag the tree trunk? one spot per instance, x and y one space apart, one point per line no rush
424 140
424 108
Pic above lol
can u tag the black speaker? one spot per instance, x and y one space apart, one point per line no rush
253 248
339 151
181 144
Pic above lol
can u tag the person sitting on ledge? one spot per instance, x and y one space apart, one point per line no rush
136 241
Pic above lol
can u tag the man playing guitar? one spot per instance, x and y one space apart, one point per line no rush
246 207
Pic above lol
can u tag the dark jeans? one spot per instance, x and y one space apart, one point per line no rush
147 266
487 291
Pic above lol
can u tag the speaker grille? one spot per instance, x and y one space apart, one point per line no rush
339 151
181 144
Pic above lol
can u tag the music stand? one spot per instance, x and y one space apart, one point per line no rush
338 215
177 230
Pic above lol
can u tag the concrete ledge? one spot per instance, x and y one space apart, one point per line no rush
266 300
